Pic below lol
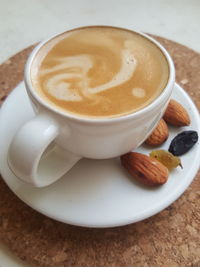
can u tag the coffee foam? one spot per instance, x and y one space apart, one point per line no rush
76 68
104 60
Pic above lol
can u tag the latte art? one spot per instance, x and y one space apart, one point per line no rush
101 71
70 80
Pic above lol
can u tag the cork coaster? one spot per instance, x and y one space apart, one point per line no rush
170 238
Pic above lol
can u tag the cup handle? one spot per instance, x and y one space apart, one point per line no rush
34 158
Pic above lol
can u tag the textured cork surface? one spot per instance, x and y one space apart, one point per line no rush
168 239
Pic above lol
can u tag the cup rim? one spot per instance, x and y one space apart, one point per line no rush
101 120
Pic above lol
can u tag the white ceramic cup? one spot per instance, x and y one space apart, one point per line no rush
46 147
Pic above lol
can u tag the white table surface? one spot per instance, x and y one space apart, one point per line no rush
24 22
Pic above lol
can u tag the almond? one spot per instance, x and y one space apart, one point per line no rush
176 114
159 135
145 169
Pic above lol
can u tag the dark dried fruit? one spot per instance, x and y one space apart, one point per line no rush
183 142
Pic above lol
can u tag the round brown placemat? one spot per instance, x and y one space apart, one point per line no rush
170 238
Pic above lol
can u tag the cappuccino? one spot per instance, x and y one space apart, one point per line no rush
99 72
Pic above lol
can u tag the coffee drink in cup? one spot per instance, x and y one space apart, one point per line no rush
99 72
86 86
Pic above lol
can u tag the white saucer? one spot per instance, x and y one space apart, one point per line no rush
96 193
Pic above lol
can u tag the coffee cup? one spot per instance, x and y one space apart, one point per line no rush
98 92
